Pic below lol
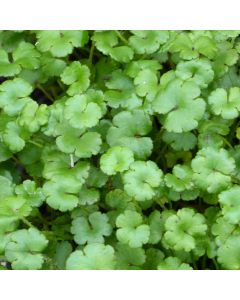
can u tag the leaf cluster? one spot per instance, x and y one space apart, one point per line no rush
120 149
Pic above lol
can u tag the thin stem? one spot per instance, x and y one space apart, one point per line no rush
60 84
162 204
227 143
45 92
170 203
54 92
26 222
193 261
91 53
161 152
215 263
44 222
121 37
15 159
204 262
35 143
71 161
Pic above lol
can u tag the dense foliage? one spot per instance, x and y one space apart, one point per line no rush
119 150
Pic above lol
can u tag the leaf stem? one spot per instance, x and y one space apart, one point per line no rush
204 262
60 84
35 143
45 92
54 91
91 53
44 222
193 261
170 203
215 263
26 222
15 159
227 143
71 161
121 37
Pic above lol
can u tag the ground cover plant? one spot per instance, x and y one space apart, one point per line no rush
119 150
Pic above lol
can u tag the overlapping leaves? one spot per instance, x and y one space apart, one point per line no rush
119 149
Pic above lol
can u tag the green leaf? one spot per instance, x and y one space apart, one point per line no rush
76 76
58 167
50 67
15 206
212 132
60 42
116 159
180 141
146 83
230 204
33 116
81 114
107 43
7 68
122 54
82 145
142 180
88 196
6 187
181 181
119 81
173 263
153 256
24 249
105 40
14 95
29 191
92 229
131 230
156 227
183 229
129 258
96 177
228 254
118 199
199 71
192 45
63 250
125 99
4 239
222 230
180 103
128 130
226 56
225 103
92 257
26 56
147 41
134 67
104 136
212 169
61 195
14 137
5 153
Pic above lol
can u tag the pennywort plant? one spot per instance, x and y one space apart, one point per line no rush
119 150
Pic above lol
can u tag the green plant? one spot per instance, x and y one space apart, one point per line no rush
120 150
